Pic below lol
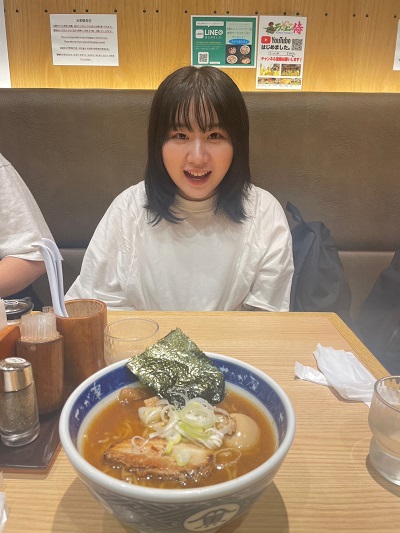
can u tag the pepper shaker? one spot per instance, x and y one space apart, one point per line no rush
19 419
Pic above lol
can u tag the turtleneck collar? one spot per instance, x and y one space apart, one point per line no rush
184 205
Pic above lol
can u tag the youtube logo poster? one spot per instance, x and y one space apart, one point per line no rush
280 52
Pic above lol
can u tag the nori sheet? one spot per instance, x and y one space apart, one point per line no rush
176 368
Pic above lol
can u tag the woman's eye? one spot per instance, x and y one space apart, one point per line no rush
178 135
216 135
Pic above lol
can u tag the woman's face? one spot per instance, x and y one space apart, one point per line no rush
197 161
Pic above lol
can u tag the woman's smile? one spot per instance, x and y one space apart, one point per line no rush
197 176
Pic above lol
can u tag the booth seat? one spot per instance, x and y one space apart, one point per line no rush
336 156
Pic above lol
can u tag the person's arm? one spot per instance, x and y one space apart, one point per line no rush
21 224
16 274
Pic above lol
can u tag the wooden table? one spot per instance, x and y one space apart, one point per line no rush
326 482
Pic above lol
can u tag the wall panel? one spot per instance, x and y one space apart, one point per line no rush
349 47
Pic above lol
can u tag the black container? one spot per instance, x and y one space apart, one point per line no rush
16 308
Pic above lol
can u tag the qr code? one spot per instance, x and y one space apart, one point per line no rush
297 44
202 58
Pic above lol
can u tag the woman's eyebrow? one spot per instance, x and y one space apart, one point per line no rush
211 126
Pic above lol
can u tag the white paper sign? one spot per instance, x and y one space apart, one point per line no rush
5 80
396 65
85 40
280 53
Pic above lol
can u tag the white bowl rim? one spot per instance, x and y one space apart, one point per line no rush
173 495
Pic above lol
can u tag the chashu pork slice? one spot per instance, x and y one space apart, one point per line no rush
151 460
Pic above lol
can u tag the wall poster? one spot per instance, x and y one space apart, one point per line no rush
221 41
280 53
396 64
86 40
5 80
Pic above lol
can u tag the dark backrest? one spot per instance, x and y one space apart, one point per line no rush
336 156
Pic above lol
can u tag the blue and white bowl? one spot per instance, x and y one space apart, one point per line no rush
178 510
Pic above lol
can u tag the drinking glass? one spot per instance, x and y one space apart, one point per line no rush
128 337
384 422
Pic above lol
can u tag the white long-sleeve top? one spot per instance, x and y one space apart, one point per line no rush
205 263
21 221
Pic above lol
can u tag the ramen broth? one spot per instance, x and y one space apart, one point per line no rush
119 421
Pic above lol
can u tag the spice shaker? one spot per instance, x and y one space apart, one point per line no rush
19 419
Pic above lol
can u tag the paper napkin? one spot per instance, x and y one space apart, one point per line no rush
3 507
340 370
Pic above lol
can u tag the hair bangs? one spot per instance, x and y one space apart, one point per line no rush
194 111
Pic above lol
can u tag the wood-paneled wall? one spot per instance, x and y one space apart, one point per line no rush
350 44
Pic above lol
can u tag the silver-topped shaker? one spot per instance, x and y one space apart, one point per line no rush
19 419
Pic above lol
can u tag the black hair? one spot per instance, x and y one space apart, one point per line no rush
214 98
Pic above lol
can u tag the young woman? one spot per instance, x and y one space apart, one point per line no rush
195 235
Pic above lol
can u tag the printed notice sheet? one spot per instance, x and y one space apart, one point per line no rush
5 80
222 41
280 54
86 40
396 65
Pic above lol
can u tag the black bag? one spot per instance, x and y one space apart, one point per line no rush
379 318
319 282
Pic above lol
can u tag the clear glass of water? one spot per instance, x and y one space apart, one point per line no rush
128 337
384 422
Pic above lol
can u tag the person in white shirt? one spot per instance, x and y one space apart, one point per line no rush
196 234
21 224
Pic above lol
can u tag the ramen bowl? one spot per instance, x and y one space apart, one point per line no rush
160 510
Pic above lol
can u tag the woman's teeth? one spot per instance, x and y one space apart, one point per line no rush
197 175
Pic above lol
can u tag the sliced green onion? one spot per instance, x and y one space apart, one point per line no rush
198 421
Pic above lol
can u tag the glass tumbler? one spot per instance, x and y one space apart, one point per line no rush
128 337
384 422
